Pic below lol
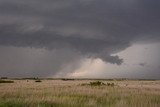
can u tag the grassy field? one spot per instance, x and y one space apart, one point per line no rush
73 93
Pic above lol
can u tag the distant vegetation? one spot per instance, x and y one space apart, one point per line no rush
38 81
67 79
4 77
110 84
98 83
6 81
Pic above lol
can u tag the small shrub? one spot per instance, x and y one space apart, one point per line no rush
6 81
67 79
38 81
97 83
4 78
110 84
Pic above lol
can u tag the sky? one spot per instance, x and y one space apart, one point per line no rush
80 38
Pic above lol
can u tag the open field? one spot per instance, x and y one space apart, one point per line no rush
71 93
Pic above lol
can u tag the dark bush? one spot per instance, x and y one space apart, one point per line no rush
97 83
110 84
67 79
6 81
4 78
38 81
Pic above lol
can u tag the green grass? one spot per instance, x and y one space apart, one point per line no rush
24 104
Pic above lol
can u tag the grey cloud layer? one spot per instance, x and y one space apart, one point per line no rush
32 62
92 28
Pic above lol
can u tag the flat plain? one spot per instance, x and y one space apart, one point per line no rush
75 93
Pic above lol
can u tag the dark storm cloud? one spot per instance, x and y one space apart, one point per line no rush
92 28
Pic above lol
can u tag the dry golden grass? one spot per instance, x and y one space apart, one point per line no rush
58 93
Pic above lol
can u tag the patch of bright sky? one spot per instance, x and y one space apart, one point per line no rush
140 61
